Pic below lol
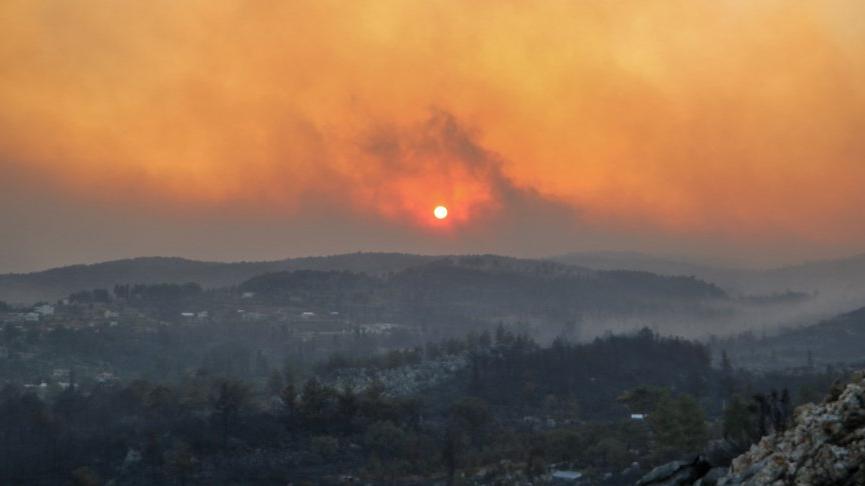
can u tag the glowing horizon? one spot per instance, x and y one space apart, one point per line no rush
697 122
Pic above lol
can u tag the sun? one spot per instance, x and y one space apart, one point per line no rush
440 212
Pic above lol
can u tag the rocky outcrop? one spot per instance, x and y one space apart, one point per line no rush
677 473
824 446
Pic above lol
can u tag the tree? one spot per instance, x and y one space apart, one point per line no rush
275 383
387 440
692 420
739 423
786 405
181 462
502 336
347 408
679 424
161 402
454 447
317 404
535 462
643 399
84 476
610 452
289 412
227 402
101 295
473 415
325 446
728 385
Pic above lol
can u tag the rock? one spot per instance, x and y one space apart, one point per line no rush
661 472
721 452
676 473
825 446
711 478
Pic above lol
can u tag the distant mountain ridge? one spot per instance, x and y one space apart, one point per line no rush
805 293
836 340
59 282
53 284
843 277
623 260
837 284
545 298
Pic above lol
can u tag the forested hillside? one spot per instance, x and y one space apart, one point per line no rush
513 410
836 341
57 283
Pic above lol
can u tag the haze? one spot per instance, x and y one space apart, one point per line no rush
449 242
234 130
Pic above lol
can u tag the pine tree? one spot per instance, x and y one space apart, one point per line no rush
728 382
679 424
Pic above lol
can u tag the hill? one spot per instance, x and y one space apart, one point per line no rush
843 277
464 292
836 341
801 294
50 285
620 260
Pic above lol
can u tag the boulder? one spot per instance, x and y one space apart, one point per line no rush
720 453
712 477
676 473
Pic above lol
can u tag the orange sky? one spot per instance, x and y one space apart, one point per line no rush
733 121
